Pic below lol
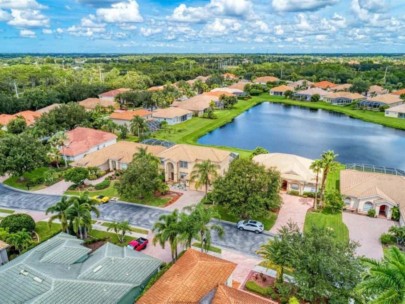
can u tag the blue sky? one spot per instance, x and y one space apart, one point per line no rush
184 26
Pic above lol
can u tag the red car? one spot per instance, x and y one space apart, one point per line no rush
138 244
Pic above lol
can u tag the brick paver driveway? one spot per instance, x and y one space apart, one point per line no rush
367 231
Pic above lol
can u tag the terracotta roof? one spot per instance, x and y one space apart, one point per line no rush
313 91
227 89
399 92
128 115
196 103
299 83
92 103
239 85
171 112
219 93
202 78
228 295
348 95
342 87
29 117
230 76
156 88
191 278
81 140
266 79
5 119
377 89
48 108
3 245
398 109
192 153
122 151
385 98
367 184
282 88
114 93
324 84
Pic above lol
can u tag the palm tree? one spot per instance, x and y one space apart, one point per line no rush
316 167
80 217
54 156
91 204
144 154
384 282
167 229
20 240
204 173
329 165
138 126
58 140
60 210
120 229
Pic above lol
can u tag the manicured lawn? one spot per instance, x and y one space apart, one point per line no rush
333 180
112 237
39 173
211 248
6 211
268 221
133 229
45 232
110 192
332 221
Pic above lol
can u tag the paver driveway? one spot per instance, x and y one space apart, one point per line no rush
367 231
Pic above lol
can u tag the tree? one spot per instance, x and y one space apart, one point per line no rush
57 141
20 240
329 164
80 218
123 132
289 94
228 101
18 222
120 229
60 212
333 202
384 281
359 86
167 229
316 167
402 96
204 174
138 126
315 98
17 125
76 175
248 189
258 151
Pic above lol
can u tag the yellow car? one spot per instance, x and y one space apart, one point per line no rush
101 199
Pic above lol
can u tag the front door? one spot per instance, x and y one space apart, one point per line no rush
383 210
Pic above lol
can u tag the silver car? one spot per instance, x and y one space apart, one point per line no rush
251 225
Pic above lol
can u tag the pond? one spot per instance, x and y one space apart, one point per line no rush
309 132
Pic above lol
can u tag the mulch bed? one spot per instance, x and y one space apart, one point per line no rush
261 279
174 196
94 246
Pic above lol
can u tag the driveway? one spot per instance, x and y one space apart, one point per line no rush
189 198
294 209
56 189
367 231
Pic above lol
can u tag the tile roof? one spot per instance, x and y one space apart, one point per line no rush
92 103
348 95
171 112
197 103
202 78
122 151
156 88
229 76
266 79
399 92
191 278
342 87
282 88
385 98
324 84
48 108
239 85
219 93
29 117
313 91
128 115
114 93
228 295
192 153
300 83
398 109
81 140
377 89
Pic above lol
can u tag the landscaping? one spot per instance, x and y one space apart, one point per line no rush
8 211
210 248
133 229
36 179
327 221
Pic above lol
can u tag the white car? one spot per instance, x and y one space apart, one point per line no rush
251 225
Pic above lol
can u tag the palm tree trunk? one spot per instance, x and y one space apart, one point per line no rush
316 192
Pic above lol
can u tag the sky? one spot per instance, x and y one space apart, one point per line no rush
196 26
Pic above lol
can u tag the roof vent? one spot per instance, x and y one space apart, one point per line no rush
97 268
24 272
39 280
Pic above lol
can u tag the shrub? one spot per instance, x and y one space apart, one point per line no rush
371 213
333 202
294 192
387 239
309 194
103 185
264 291
72 187
395 214
18 222
293 300
76 175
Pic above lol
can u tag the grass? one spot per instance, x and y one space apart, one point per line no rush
45 232
275 267
133 229
8 211
210 248
333 180
268 221
112 237
332 221
39 173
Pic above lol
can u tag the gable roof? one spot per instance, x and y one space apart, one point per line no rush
114 93
377 89
239 85
48 108
92 103
266 79
128 115
192 153
312 91
171 112
225 90
192 277
219 92
197 103
324 84
283 88
398 109
29 117
399 92
81 140
299 83
385 98
228 295
229 76
342 94
342 87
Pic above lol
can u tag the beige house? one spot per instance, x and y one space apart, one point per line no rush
235 92
266 79
302 84
281 90
172 115
342 87
116 156
197 104
110 95
240 85
91 103
375 90
295 171
307 94
367 190
396 112
123 118
341 98
390 100
178 161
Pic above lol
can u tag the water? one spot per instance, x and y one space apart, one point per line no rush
308 132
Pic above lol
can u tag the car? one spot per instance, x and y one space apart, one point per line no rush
138 244
250 225
101 199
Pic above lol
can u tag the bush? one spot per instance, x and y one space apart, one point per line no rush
73 187
103 185
333 202
18 222
395 214
309 194
294 192
293 300
387 239
371 213
264 291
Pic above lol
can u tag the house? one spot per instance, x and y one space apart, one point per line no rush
397 111
123 118
266 79
295 170
48 108
116 156
201 78
341 98
234 92
224 294
399 92
363 191
240 85
111 95
280 90
375 90
230 76
29 117
82 141
178 161
342 87
190 280
3 252
307 94
156 88
172 115
324 85
300 84
219 93
197 104
91 103
62 270
378 101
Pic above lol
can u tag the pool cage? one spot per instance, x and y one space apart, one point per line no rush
158 142
375 169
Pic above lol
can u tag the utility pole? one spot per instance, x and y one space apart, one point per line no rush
385 74
16 89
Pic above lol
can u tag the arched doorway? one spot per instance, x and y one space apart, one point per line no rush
170 171
383 211
284 185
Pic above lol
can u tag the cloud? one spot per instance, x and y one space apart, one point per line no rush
4 16
301 5
91 22
47 31
97 3
373 5
28 18
21 4
27 34
146 32
121 12
220 27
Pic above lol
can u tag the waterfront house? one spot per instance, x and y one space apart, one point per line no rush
233 91
91 103
219 93
111 95
266 79
172 115
386 100
307 94
239 85
281 90
63 270
363 191
324 85
198 104
396 112
342 98
123 118
82 141
295 171
300 84
375 90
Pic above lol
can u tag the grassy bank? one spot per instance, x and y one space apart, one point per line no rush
327 221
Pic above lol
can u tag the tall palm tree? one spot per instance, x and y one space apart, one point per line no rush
204 173
316 167
329 165
60 210
58 140
138 126
80 217
384 281
167 229
54 156
91 204
120 229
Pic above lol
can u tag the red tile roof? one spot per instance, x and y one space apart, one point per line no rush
114 93
29 117
324 84
228 295
399 92
128 115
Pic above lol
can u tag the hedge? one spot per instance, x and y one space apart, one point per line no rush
18 222
103 185
264 291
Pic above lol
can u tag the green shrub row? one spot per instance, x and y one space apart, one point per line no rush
264 291
18 222
103 185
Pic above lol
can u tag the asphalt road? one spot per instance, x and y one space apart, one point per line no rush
137 215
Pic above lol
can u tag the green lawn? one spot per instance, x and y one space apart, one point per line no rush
333 221
8 211
333 180
268 221
39 173
211 248
45 232
133 229
111 191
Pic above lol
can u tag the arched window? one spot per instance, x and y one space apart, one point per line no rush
347 201
367 206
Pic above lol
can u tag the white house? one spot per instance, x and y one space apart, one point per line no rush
123 118
172 115
396 112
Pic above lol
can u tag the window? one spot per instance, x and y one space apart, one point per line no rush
183 164
124 166
294 186
347 201
367 206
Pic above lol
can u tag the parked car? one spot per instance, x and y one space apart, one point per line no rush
138 244
251 225
101 199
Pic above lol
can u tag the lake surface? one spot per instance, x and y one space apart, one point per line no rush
308 132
